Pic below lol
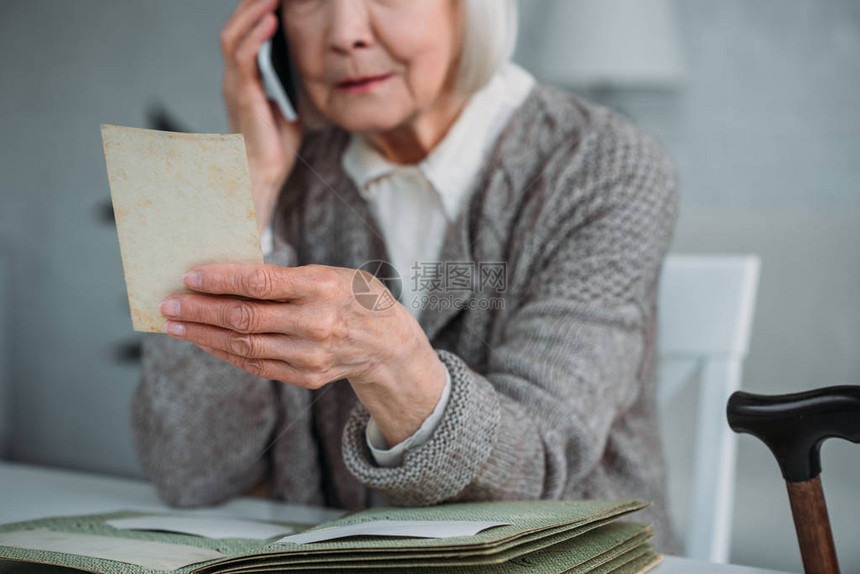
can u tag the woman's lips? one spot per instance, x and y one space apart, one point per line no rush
363 84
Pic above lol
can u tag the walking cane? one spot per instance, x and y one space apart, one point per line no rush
794 426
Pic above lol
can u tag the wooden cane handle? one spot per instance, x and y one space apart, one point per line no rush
793 426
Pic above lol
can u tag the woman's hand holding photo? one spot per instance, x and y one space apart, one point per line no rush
303 326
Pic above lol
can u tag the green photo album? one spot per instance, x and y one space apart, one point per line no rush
534 536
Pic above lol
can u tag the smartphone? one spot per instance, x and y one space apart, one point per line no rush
279 76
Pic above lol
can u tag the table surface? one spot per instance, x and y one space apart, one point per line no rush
30 492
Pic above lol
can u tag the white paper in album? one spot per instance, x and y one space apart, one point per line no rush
414 528
146 553
202 526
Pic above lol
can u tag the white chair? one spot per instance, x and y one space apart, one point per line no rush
705 312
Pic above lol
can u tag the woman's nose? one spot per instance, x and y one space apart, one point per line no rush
349 25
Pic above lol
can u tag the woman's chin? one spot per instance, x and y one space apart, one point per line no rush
370 125
369 118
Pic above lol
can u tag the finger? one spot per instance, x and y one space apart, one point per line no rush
266 281
247 12
248 345
246 51
270 369
240 315
265 368
243 18
302 355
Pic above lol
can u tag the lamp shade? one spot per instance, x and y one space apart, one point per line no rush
610 43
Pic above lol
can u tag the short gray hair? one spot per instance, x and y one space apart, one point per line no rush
489 39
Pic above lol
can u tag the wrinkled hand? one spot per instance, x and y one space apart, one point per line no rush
303 326
299 325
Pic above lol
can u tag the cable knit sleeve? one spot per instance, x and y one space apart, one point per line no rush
394 455
564 366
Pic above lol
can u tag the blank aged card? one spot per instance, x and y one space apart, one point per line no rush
179 200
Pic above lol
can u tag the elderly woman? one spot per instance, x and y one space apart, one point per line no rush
528 225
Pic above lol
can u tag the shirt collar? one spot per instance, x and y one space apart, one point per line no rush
453 165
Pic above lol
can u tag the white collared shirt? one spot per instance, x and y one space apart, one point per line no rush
414 205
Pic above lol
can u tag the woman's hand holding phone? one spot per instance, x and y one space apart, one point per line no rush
271 142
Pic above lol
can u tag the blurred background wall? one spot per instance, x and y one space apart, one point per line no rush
764 127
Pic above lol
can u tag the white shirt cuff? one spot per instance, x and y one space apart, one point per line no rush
394 456
267 241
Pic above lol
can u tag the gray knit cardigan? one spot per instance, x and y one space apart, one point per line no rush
552 395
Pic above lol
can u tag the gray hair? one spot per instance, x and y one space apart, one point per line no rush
489 39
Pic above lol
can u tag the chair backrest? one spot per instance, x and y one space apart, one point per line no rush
705 311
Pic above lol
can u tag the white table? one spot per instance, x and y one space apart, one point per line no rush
30 492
